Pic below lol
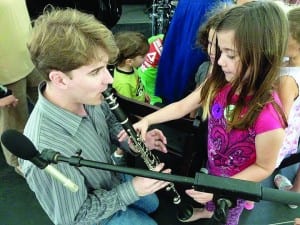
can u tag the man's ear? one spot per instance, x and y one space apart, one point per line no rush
59 78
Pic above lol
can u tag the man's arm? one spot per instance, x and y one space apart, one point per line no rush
85 205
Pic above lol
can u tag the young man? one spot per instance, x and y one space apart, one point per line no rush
72 50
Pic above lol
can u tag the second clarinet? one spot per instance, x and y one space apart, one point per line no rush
185 211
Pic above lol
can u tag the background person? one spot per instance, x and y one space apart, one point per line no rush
17 71
289 95
133 48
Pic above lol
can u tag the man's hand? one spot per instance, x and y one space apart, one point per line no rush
155 139
8 101
145 186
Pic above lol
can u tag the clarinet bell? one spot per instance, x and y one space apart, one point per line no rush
185 213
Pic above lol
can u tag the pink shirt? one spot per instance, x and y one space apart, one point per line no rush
230 152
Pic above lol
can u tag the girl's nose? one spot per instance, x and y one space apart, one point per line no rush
221 61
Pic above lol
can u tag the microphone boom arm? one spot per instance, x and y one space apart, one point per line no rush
221 186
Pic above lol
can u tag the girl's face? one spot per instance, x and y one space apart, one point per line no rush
293 48
211 48
229 59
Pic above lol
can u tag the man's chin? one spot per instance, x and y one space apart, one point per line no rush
96 102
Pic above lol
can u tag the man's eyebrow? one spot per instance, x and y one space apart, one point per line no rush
96 69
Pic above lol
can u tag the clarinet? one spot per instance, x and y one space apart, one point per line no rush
185 211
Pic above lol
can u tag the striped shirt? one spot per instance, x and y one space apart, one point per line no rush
100 192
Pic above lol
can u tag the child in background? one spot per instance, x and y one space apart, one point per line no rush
133 47
180 58
207 40
245 119
148 70
289 95
209 45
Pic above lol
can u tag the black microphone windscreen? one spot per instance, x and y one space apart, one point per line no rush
18 144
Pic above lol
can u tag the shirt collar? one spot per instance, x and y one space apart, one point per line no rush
70 121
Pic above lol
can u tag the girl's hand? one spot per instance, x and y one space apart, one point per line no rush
141 127
201 197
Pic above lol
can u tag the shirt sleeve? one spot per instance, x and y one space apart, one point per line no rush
269 119
94 209
201 73
84 206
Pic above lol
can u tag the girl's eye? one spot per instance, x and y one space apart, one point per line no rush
231 57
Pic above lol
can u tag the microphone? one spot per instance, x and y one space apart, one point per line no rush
22 147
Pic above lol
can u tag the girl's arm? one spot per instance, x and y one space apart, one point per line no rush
267 146
171 112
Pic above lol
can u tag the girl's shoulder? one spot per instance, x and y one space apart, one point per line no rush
269 118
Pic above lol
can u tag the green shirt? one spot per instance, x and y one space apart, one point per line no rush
129 84
148 70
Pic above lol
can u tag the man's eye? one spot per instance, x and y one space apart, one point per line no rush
95 72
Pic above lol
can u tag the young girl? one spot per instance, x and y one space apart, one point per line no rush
245 120
289 95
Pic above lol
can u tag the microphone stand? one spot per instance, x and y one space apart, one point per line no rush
226 190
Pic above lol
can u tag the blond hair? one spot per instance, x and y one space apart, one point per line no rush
67 39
